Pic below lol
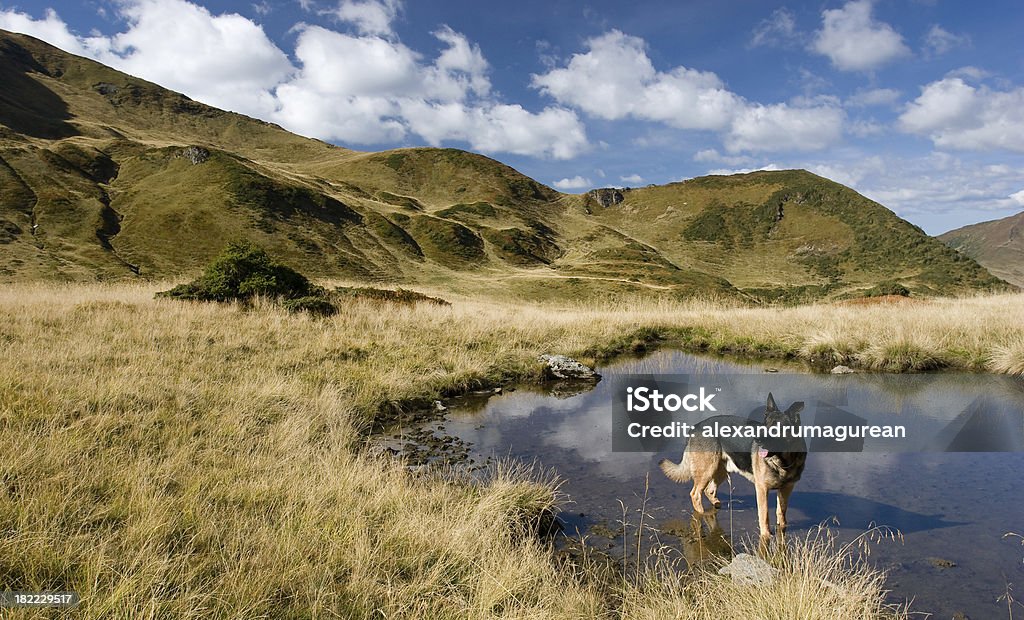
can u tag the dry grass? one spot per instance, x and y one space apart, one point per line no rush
815 579
168 459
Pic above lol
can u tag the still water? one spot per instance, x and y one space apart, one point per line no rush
952 508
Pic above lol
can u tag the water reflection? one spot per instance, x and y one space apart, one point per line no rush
954 506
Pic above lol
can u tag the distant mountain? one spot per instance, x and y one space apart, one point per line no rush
103 175
997 245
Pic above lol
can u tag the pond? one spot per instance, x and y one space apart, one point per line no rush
951 507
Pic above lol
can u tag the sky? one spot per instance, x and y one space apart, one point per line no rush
917 104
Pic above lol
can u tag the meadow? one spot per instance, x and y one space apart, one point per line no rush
178 459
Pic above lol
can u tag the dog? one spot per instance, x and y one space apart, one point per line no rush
772 464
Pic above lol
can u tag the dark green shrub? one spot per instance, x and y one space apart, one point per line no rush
888 288
316 306
243 271
399 296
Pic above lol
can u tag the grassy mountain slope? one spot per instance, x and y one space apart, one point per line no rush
788 233
103 175
997 245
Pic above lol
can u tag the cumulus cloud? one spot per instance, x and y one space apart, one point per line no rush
576 182
363 88
616 79
779 29
370 17
779 127
938 41
855 41
1018 198
634 178
954 114
50 28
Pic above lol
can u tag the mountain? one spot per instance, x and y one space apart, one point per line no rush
997 245
103 175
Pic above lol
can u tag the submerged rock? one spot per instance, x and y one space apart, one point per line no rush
749 570
562 367
842 370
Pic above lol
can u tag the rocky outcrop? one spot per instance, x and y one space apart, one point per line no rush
195 154
566 368
606 196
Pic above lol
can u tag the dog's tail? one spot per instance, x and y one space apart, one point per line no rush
680 472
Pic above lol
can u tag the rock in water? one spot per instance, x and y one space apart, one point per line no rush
842 370
749 570
562 367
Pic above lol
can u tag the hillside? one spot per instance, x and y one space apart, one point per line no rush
105 176
997 245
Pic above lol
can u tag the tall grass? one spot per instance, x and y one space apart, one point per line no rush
170 459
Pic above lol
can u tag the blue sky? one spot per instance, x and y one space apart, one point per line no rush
918 104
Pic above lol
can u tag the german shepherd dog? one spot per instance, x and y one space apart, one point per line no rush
770 463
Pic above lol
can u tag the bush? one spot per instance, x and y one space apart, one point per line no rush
888 288
316 306
243 271
398 296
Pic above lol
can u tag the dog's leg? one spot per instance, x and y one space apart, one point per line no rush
762 509
716 481
700 482
781 505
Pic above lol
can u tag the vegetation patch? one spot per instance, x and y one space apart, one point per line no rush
447 242
479 209
244 271
398 296
520 247
886 289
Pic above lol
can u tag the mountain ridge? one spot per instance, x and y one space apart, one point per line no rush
997 245
104 175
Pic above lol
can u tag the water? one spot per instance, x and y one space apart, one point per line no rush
952 508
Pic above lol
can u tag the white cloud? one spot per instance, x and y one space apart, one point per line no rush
779 29
553 132
1018 198
615 79
634 178
363 89
51 29
954 114
779 127
576 182
228 61
729 171
370 17
854 41
713 156
938 41
940 183
874 97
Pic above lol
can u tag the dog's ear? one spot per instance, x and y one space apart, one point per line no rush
771 407
794 411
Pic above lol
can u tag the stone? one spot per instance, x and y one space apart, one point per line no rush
562 367
195 154
749 570
607 196
439 406
842 370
